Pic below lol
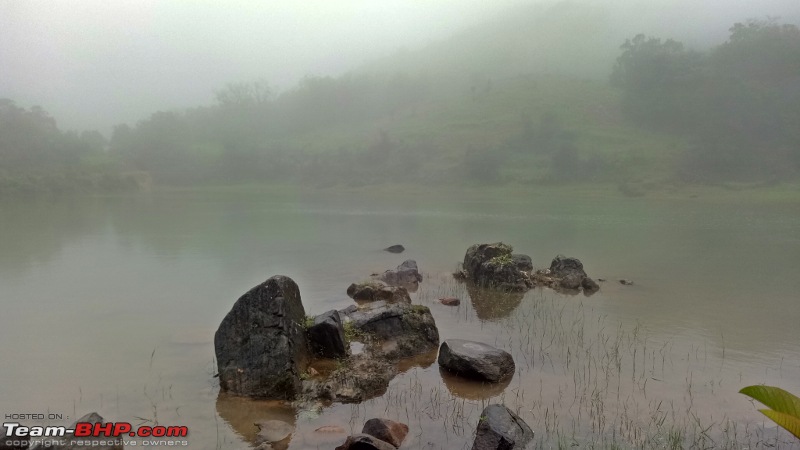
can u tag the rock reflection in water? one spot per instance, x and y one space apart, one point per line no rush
423 361
471 389
493 304
243 413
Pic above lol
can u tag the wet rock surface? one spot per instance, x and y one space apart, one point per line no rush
494 266
326 335
396 330
260 345
386 430
358 378
271 431
475 360
405 274
501 429
566 273
365 442
371 291
449 301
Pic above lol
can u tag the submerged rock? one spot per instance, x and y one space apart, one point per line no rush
494 266
405 274
501 429
371 291
364 442
260 345
358 378
386 430
326 335
397 248
396 330
272 431
626 282
476 360
449 301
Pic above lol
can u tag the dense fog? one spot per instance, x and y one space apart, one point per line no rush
99 95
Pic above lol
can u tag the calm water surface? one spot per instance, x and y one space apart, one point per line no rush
110 305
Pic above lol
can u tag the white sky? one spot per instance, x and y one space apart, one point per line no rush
95 63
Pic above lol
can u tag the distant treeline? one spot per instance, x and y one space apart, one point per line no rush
740 101
35 156
250 134
736 106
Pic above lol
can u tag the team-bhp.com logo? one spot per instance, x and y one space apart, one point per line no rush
88 429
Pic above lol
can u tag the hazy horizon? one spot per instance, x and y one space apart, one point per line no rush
94 64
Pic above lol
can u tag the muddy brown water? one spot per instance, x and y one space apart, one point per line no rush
110 305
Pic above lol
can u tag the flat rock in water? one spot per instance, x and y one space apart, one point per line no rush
364 442
501 429
475 360
376 290
386 430
397 248
273 431
626 282
450 301
405 274
410 327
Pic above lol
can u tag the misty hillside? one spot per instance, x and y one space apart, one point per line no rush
542 95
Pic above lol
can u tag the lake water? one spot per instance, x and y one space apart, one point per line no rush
110 305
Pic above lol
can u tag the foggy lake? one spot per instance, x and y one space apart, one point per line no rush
111 304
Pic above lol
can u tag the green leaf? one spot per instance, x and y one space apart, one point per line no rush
775 398
790 423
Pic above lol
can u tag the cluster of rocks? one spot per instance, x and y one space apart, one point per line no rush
266 345
495 266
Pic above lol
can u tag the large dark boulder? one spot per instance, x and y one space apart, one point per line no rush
396 330
494 266
501 429
326 335
405 274
261 345
475 360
